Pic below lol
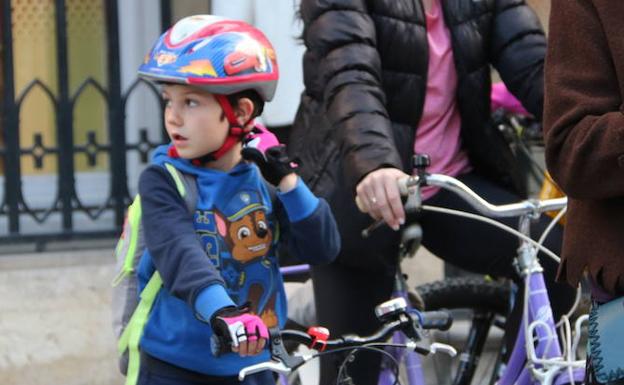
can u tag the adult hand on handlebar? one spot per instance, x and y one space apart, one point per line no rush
378 195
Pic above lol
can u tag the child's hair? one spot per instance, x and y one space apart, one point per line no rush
251 95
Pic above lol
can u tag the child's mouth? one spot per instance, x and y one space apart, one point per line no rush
177 138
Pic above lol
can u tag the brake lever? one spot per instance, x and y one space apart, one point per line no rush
281 362
279 352
438 347
413 204
372 227
274 366
434 348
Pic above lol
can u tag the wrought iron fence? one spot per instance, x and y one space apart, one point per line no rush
13 206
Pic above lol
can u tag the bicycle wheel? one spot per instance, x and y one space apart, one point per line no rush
479 308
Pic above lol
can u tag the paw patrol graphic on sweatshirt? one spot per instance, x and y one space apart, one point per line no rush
244 247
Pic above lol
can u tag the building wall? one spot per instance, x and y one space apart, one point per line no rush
542 7
55 322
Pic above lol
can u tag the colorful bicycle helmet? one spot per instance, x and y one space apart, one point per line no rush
221 56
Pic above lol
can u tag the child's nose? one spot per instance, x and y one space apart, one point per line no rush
172 117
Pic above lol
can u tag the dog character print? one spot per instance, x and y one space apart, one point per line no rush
244 226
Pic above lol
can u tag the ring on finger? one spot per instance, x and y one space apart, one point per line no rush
373 200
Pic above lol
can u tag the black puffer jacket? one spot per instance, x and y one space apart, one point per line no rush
365 72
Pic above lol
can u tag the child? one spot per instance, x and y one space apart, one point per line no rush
219 267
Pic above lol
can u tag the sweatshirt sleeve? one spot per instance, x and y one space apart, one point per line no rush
584 112
518 50
311 230
173 244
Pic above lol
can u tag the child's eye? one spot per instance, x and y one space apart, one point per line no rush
166 102
191 102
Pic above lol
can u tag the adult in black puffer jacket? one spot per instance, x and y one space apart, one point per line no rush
367 77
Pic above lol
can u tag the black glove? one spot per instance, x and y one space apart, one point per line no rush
274 163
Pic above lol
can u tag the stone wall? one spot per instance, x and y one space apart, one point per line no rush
55 319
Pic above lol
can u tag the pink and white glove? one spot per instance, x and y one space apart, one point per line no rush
271 157
245 332
261 138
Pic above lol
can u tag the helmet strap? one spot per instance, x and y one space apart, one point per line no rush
235 135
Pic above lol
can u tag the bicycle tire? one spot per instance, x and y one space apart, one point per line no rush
486 301
466 292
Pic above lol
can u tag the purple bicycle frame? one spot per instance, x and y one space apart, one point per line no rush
413 363
539 308
516 371
412 360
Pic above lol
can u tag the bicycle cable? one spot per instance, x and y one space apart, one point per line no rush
539 245
372 347
577 299
562 361
493 223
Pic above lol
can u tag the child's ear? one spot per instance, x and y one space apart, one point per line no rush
243 110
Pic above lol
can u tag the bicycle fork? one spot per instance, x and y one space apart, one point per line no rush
412 361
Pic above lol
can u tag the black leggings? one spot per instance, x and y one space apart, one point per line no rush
346 297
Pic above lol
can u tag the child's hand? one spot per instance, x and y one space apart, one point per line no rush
274 162
261 138
246 332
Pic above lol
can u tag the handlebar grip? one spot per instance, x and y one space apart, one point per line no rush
440 320
218 346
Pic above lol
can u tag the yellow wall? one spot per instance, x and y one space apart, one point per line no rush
86 31
34 56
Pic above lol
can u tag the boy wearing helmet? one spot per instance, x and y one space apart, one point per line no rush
219 267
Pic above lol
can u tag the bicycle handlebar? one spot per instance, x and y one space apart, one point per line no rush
409 323
533 207
410 187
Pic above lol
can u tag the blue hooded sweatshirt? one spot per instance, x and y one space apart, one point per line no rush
223 255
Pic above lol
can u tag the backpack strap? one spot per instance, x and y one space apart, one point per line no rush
131 335
186 185
127 248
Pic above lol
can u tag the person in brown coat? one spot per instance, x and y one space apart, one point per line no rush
584 131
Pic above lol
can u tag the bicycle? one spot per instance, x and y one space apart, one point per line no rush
546 363
537 359
395 316
410 241
414 371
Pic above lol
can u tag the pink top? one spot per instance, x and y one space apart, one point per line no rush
438 132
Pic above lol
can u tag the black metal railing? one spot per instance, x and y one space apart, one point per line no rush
14 207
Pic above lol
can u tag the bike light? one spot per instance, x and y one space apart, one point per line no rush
319 335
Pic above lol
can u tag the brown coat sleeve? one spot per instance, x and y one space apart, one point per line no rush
583 119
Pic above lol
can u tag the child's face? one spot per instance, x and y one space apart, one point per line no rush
194 121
